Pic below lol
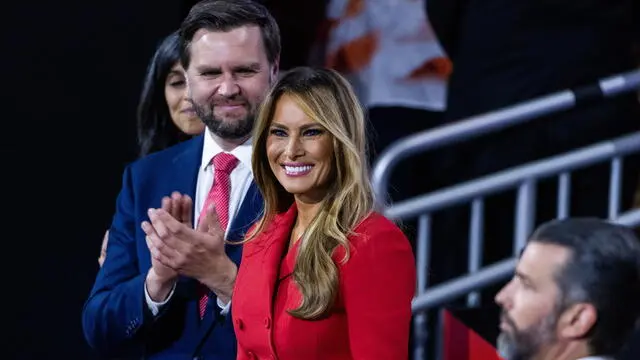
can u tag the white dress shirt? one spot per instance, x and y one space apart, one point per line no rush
241 178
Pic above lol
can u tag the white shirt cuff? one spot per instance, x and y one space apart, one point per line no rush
153 306
224 308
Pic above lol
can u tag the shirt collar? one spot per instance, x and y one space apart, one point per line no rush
211 149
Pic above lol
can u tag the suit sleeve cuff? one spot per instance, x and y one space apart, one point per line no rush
153 306
224 308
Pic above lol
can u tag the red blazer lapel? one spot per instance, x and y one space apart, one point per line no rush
276 243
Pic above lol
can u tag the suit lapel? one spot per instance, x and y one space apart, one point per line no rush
249 212
184 174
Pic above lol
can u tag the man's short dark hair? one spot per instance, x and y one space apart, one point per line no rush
603 270
226 15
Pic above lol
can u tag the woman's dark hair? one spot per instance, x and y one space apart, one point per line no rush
156 130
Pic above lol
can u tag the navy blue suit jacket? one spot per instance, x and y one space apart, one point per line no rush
116 319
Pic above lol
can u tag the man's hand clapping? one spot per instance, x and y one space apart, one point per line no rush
176 248
161 278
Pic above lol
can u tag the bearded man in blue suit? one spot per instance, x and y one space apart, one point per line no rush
165 286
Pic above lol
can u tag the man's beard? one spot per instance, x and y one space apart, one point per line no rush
226 129
525 344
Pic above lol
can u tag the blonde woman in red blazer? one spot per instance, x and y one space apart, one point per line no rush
323 276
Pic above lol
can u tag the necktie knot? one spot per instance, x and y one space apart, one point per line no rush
224 162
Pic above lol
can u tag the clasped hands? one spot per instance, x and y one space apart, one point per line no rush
178 249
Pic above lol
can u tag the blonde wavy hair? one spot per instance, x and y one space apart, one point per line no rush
328 99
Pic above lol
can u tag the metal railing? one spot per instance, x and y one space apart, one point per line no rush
494 121
488 276
523 177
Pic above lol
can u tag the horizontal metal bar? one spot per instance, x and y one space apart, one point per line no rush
621 83
453 289
512 177
630 218
489 122
456 288
462 130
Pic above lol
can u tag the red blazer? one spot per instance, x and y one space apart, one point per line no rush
371 317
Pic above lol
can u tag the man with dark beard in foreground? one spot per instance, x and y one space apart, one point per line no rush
575 293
